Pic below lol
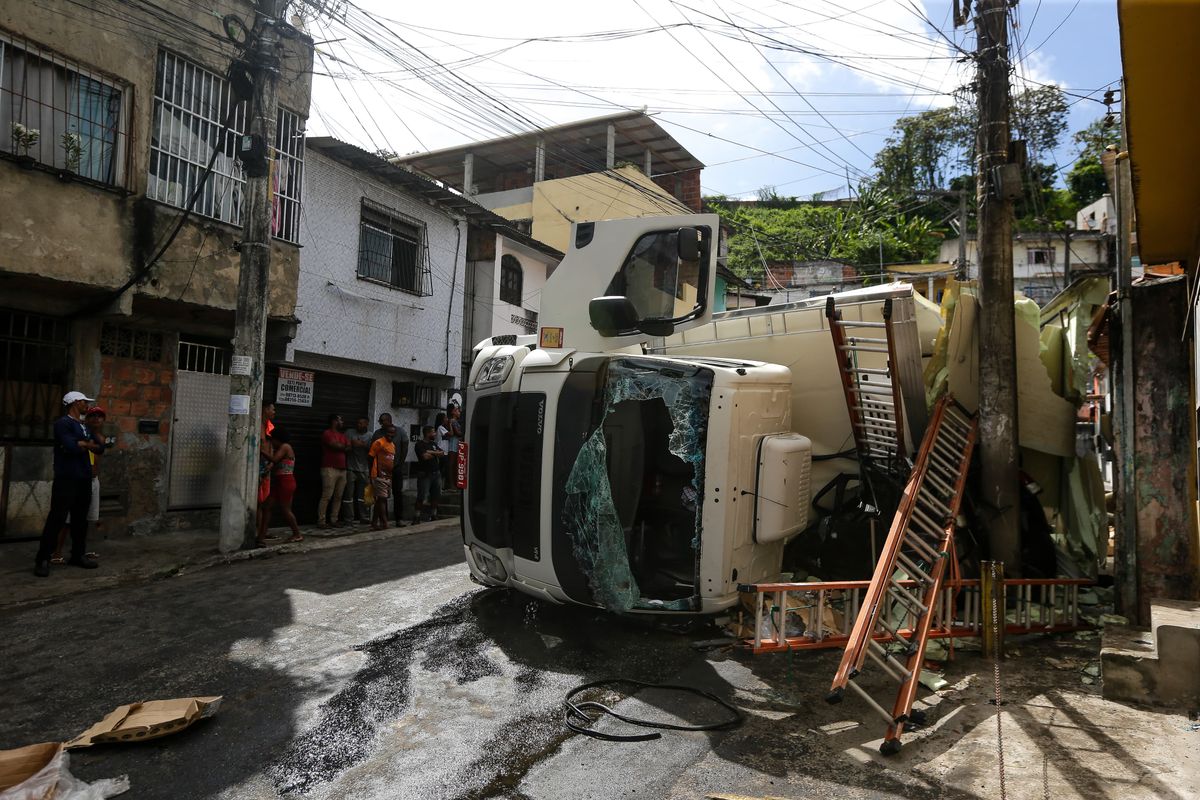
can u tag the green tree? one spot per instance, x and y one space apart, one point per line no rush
1093 140
1086 180
924 150
1039 117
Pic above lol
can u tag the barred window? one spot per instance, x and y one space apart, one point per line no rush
391 250
61 114
130 343
512 279
191 107
34 353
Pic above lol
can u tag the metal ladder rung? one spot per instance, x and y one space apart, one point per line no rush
913 570
921 547
905 597
949 431
886 660
894 632
860 324
864 340
944 462
887 715
938 482
884 391
881 403
938 506
867 371
925 519
870 423
949 451
859 349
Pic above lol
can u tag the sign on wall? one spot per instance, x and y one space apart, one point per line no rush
295 387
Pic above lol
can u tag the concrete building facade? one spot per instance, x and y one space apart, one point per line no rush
108 125
618 166
391 298
1041 260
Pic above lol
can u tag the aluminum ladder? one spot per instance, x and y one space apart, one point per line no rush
867 362
909 574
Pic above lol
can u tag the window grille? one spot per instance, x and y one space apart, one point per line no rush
1040 257
391 251
191 105
33 374
200 357
132 343
61 114
512 278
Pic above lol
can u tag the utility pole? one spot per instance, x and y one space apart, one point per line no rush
963 274
996 183
1067 228
239 497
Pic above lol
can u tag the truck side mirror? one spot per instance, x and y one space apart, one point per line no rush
612 315
689 244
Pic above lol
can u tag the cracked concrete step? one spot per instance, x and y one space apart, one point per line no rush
1159 666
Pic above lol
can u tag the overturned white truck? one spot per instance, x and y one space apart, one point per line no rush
645 455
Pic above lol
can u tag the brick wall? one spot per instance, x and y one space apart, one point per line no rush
134 390
683 186
133 474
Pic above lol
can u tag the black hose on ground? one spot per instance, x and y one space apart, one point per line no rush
579 721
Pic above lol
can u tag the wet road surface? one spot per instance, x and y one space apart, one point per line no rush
380 671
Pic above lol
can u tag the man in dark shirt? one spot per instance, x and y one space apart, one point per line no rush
429 476
72 488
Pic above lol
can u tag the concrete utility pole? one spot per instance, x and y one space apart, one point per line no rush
997 332
962 235
239 499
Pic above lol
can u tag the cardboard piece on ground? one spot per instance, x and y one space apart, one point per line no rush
137 722
21 764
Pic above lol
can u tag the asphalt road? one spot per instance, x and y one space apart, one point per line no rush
380 671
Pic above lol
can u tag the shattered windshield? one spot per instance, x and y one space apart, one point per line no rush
632 497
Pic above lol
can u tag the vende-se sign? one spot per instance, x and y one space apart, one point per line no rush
295 387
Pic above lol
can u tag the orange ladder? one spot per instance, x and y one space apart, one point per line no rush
909 574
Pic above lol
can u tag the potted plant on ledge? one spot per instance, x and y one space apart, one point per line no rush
72 145
23 139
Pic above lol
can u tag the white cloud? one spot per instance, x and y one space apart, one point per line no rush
860 62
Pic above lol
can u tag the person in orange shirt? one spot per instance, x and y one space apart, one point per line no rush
383 461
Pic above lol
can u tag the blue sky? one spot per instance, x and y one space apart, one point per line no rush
795 94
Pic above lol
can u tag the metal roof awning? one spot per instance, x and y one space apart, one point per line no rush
581 145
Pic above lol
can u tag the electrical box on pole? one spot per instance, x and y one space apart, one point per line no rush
239 496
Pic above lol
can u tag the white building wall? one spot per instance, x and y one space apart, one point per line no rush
1086 252
362 328
491 316
355 320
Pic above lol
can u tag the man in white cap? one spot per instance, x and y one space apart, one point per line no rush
72 488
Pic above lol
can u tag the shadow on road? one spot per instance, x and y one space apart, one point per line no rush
212 633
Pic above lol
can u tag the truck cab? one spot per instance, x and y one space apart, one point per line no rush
598 474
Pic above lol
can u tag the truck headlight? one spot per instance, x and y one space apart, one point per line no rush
493 372
489 565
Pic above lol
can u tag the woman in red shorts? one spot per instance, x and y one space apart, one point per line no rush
283 479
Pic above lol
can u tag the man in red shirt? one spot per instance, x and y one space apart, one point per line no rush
334 446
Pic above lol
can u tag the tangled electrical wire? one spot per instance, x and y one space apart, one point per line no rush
579 720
